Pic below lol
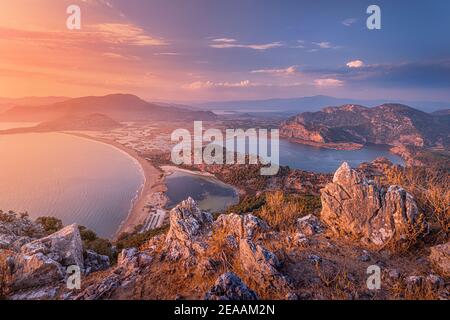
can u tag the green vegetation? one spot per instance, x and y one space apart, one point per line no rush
136 239
247 204
92 242
50 224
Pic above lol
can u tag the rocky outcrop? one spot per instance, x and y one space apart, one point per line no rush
188 226
95 262
17 230
64 247
309 225
440 258
230 287
356 207
391 124
43 262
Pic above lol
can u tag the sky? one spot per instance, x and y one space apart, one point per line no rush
211 50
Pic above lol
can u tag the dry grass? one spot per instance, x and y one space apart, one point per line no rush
431 189
422 291
281 211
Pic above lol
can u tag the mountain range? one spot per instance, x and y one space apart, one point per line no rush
312 103
389 124
119 107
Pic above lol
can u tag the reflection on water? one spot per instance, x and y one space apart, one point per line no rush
74 179
309 158
211 194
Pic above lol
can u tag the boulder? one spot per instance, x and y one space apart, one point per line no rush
356 207
64 247
440 258
17 230
241 226
230 287
188 226
95 262
33 271
309 225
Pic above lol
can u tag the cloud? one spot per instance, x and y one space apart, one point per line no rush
122 33
323 44
226 40
167 54
209 84
355 64
285 72
113 55
328 82
97 34
349 22
225 43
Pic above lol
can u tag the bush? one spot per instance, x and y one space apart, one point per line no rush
135 240
282 210
92 242
50 224
430 187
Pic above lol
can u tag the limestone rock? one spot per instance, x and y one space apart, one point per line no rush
440 258
64 247
33 271
230 287
188 225
356 207
95 262
17 230
241 226
309 225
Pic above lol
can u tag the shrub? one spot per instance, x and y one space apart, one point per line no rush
50 224
135 240
282 210
430 187
92 242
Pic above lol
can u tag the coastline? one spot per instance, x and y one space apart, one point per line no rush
151 191
329 145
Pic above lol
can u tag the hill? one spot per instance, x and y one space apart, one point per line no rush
119 107
389 124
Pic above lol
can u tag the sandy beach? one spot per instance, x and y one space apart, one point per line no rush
151 193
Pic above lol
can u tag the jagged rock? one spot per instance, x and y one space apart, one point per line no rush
435 281
260 264
241 226
353 206
41 293
132 258
440 258
32 271
188 225
17 230
64 247
309 225
230 287
95 262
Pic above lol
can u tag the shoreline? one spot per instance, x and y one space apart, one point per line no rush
151 192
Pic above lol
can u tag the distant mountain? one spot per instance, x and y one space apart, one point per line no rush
119 107
92 122
390 124
313 103
8 103
441 112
